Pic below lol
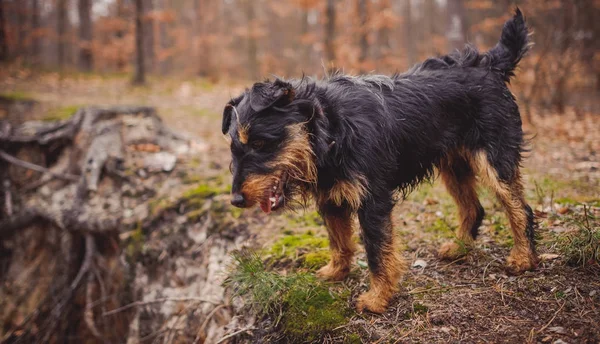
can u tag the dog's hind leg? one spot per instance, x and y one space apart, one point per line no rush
459 179
510 193
339 223
385 262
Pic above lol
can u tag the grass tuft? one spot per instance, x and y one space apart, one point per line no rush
580 246
305 308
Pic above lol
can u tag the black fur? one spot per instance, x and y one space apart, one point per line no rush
393 131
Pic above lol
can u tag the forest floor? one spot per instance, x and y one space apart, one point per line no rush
469 300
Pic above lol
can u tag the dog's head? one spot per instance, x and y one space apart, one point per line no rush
273 159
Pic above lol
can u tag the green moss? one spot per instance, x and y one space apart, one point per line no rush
307 219
352 338
158 205
16 96
61 113
306 308
312 313
419 309
289 245
136 241
200 191
314 260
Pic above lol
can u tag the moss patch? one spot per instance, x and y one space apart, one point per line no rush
315 260
307 219
294 244
306 309
17 96
61 113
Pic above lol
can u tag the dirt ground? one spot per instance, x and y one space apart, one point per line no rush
469 300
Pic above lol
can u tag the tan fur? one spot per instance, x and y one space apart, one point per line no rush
465 197
297 157
255 187
511 196
341 246
351 192
243 134
384 283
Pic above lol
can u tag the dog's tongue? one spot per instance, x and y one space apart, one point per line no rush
266 206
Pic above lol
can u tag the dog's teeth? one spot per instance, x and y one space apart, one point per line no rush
272 199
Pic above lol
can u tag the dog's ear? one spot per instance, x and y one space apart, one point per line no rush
228 112
266 94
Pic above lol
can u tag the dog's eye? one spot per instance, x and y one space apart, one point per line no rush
257 144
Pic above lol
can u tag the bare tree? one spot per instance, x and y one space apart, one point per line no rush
408 33
61 30
148 19
3 45
86 57
330 31
35 25
362 11
456 24
253 71
139 77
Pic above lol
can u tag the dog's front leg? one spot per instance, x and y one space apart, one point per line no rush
385 262
339 223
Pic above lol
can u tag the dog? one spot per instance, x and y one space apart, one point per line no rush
357 144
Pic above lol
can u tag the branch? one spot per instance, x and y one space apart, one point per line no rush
25 164
166 299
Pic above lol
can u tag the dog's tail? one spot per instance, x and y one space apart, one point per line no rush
513 45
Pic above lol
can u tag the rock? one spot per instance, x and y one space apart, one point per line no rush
557 329
419 263
548 256
160 161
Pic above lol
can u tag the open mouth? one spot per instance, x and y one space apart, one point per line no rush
273 198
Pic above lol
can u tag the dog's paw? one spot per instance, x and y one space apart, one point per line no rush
452 250
519 262
371 301
333 272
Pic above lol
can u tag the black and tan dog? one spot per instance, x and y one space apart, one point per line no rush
355 143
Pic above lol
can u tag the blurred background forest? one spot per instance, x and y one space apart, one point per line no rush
246 40
115 215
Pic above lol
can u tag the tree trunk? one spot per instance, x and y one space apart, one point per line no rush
408 34
383 34
430 19
21 17
61 31
35 25
330 32
305 27
3 45
253 68
149 36
86 57
139 77
164 39
456 24
361 8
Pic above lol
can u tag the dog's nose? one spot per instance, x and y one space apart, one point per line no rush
237 199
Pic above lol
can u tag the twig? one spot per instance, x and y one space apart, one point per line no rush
166 299
7 197
25 164
235 334
205 322
554 317
88 313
